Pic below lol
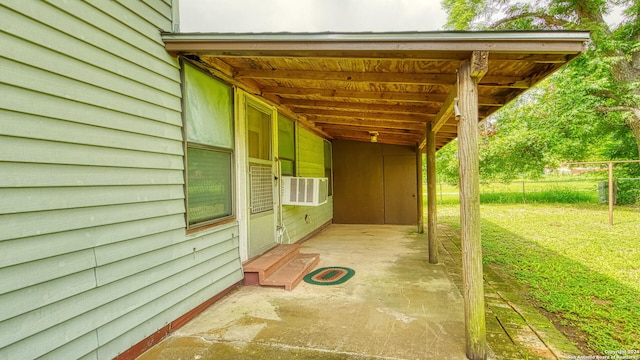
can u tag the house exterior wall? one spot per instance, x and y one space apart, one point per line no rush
94 256
301 221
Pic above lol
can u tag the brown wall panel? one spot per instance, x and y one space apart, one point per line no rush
358 191
360 194
400 200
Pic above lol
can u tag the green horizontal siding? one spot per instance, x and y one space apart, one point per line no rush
36 272
52 198
205 247
23 76
23 125
160 15
94 255
58 107
155 277
310 154
297 226
134 237
45 59
78 348
30 298
52 152
39 33
45 222
228 275
28 175
63 21
300 221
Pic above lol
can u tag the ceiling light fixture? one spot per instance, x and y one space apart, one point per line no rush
374 136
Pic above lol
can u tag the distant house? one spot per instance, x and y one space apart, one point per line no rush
136 178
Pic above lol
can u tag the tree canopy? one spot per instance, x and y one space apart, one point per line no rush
590 110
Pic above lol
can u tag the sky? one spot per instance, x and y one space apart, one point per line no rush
310 15
316 15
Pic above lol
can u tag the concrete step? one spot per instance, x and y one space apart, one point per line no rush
291 273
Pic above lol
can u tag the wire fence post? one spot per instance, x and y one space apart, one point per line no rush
610 193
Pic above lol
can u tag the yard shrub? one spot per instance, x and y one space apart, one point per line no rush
629 192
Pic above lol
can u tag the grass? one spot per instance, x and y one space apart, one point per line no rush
572 264
569 191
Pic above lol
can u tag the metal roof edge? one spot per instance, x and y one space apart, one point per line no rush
561 35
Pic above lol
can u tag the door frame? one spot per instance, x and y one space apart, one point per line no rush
242 100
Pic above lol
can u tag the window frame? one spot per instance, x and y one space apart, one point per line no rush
326 144
295 146
203 225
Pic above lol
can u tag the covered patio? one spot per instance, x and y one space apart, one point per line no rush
397 306
417 90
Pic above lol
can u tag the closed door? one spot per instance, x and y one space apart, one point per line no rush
262 200
400 201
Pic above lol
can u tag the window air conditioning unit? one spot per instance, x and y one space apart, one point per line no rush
304 191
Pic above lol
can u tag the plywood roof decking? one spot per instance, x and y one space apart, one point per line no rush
345 86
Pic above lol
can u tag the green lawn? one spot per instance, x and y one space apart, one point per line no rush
571 263
551 190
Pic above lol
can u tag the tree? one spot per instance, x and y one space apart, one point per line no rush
604 84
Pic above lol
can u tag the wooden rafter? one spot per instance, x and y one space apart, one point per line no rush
351 106
395 84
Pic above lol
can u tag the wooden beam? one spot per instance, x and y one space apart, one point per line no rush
479 64
420 182
343 114
468 156
446 110
379 96
377 77
432 222
347 76
380 129
365 137
389 124
495 57
530 58
359 106
351 94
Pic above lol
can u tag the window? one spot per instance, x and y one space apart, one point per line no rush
259 133
208 116
328 164
287 145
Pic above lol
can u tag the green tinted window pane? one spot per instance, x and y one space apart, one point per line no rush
286 167
209 187
286 138
209 109
259 133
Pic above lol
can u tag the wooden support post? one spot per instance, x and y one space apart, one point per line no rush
469 75
420 182
432 214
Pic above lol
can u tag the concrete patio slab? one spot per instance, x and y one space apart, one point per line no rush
397 306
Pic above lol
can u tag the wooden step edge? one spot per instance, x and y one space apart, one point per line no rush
307 270
290 275
269 262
